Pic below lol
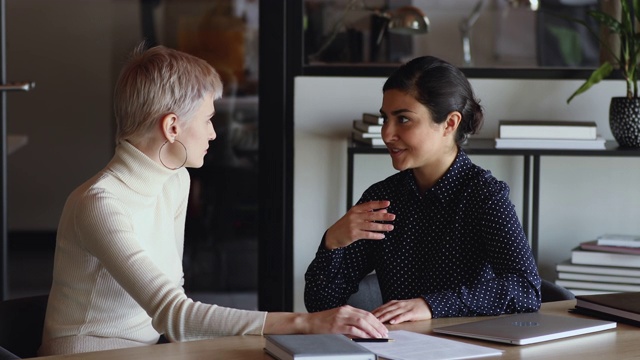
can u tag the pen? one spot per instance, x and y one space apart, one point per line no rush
371 340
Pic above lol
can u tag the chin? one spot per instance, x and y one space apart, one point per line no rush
194 164
399 167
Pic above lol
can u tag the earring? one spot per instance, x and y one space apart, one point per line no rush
186 156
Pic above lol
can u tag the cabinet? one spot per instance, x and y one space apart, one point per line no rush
531 176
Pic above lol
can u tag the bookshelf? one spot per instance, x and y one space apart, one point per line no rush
531 160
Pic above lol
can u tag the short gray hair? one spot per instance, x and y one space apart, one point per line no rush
159 81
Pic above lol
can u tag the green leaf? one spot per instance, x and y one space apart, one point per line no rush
569 44
596 76
607 20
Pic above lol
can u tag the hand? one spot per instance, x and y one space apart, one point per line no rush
398 311
347 320
360 222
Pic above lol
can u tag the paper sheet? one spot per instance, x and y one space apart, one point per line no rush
409 345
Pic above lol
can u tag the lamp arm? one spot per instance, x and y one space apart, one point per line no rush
465 30
353 4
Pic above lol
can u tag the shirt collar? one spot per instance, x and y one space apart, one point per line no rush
137 170
447 186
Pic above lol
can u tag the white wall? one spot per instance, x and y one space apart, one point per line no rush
580 197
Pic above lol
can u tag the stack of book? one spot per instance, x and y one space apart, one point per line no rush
548 134
609 264
622 307
368 130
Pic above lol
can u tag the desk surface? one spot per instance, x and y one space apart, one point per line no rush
619 343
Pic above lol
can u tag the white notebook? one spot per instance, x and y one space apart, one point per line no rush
528 328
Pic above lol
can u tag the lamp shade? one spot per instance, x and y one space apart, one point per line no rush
532 4
408 20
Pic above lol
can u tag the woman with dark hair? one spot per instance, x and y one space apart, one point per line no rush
441 234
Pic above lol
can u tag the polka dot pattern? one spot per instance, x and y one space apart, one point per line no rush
460 246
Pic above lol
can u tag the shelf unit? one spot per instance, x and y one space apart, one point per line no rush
531 159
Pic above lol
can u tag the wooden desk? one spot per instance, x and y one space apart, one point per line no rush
619 343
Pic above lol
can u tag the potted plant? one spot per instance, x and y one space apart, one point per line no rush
624 112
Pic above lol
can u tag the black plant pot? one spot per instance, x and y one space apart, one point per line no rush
624 121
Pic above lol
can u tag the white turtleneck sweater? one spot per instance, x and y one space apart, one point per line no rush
117 278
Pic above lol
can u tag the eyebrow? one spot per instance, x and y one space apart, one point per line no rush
399 111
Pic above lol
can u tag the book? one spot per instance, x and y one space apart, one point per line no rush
577 292
547 129
315 346
593 285
366 128
619 240
568 266
623 306
367 138
365 135
589 257
373 119
595 246
599 278
597 144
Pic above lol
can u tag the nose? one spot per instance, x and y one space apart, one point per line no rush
388 131
212 134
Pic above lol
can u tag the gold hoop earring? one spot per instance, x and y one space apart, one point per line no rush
185 155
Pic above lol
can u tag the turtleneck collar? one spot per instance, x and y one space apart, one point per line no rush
138 171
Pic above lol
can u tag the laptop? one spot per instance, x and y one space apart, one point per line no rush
526 328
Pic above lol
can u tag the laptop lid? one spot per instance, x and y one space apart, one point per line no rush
527 328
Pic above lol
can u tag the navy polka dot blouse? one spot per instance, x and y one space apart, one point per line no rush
459 246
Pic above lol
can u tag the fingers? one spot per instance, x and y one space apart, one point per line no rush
373 211
373 205
364 221
370 218
395 312
349 321
362 323
387 311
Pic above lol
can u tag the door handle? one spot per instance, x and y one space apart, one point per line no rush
18 86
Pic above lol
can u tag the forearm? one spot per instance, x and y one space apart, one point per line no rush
324 281
322 292
504 294
342 320
286 323
328 284
334 275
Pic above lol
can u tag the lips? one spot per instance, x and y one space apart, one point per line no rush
395 151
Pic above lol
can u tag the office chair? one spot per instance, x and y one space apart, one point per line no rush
551 291
368 296
21 324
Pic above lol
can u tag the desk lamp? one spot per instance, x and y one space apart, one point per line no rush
406 20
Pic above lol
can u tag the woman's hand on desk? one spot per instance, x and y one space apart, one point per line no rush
342 320
363 221
398 311
349 321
